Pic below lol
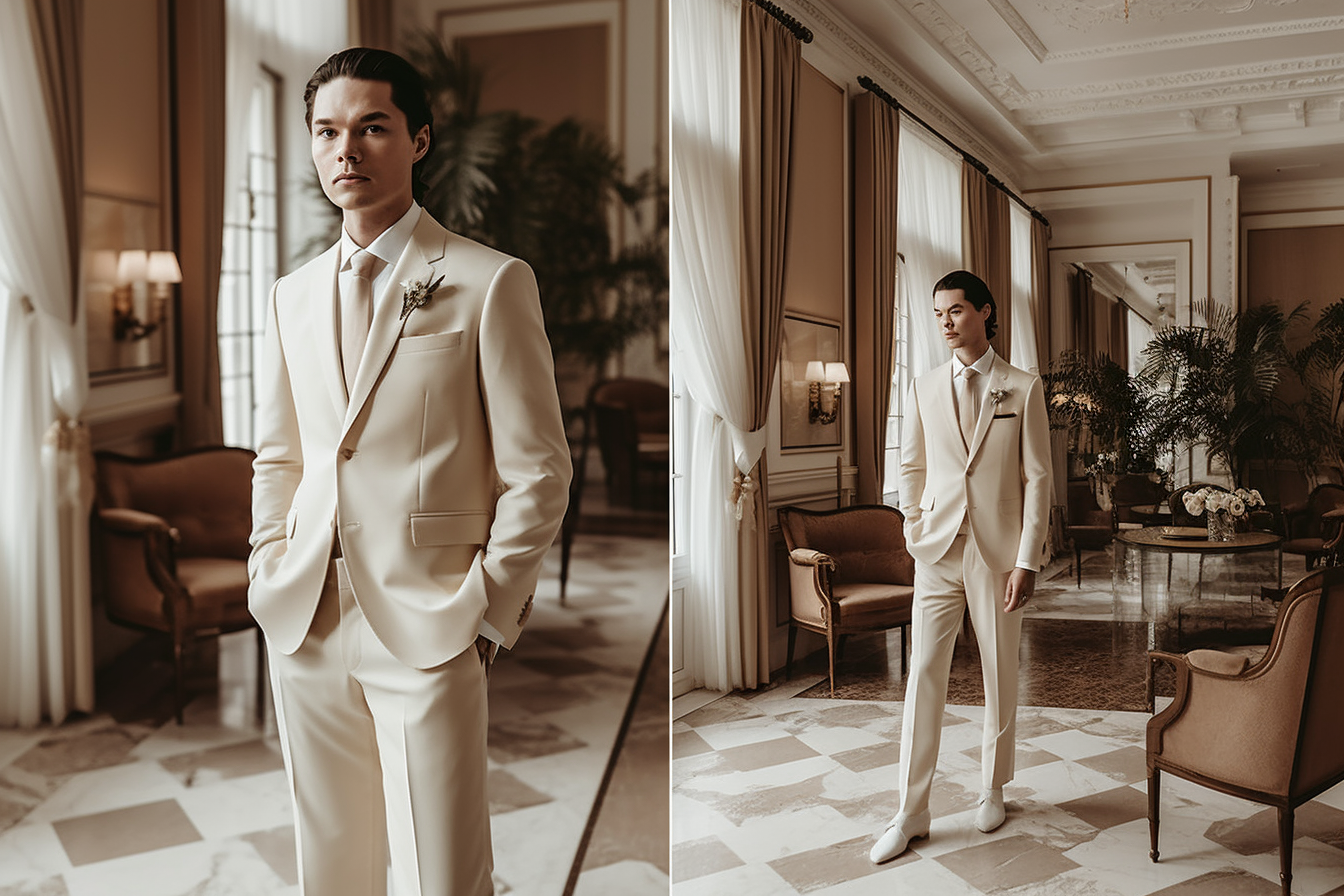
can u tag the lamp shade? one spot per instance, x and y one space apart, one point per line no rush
836 372
132 265
816 372
163 268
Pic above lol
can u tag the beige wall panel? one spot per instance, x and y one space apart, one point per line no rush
1295 264
122 85
815 275
548 74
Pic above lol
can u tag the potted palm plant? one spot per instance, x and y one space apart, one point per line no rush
1215 385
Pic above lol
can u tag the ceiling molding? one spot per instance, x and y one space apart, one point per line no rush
1190 39
901 84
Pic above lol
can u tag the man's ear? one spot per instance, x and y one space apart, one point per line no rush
421 141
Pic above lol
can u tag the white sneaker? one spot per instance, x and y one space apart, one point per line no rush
896 838
991 813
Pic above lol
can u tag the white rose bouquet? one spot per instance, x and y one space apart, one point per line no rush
1223 507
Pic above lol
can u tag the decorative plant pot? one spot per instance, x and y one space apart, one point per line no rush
1221 525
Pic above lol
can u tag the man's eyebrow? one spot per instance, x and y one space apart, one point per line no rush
370 116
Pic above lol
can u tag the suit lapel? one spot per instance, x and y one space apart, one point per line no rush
425 250
322 296
996 372
946 407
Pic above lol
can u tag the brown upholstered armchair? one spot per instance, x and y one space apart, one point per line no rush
849 572
1313 528
631 418
1088 526
1270 733
172 546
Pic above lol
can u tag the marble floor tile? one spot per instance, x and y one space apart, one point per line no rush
1005 864
222 763
626 876
126 831
826 866
697 858
276 848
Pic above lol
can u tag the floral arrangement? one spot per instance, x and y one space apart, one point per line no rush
1237 503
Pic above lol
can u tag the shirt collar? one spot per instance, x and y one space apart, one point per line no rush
982 365
389 244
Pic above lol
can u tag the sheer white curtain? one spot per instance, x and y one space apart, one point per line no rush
708 345
1023 328
928 234
46 659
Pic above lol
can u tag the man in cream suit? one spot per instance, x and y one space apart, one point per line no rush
975 491
411 474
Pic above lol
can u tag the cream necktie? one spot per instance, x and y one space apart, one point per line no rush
356 314
968 404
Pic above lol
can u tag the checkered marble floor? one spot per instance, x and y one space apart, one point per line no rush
98 807
777 793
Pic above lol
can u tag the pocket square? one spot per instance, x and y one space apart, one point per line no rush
1003 416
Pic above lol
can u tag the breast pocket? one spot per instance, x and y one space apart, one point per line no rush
430 342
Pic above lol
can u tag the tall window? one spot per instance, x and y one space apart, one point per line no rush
250 263
928 231
1023 346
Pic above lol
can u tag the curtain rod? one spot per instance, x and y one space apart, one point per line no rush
800 31
874 88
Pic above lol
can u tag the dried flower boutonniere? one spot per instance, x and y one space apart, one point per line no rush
999 394
415 293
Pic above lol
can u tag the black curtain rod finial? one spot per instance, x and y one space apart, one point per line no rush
800 31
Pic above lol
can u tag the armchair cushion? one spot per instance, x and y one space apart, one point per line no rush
218 587
874 605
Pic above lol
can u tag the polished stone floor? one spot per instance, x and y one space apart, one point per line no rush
127 803
783 791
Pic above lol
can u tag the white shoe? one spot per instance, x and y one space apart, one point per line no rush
991 812
898 835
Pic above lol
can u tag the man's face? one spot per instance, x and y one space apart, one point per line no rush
961 324
361 148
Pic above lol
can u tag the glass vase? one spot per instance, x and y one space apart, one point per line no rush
1221 525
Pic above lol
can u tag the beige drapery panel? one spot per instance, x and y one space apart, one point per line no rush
1040 290
876 136
1081 311
370 23
986 245
57 26
771 58
201 27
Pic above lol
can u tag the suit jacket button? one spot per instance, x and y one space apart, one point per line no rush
347 453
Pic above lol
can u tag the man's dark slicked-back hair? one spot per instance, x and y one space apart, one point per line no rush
369 64
977 293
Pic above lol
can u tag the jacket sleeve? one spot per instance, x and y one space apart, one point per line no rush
531 452
278 468
1036 475
913 470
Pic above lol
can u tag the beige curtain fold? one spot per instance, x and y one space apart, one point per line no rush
370 23
201 139
1081 310
56 32
987 246
771 58
876 139
1040 290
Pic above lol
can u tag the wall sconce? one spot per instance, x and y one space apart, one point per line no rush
824 377
138 266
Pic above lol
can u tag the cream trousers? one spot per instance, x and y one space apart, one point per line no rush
385 762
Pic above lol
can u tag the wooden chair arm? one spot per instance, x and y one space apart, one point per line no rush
809 557
125 529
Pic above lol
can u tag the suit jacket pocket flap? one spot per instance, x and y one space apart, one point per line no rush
463 527
429 342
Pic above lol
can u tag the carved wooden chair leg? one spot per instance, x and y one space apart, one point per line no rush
788 657
1154 809
1286 849
830 650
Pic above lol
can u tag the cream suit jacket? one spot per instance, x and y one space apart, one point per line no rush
446 473
1000 484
